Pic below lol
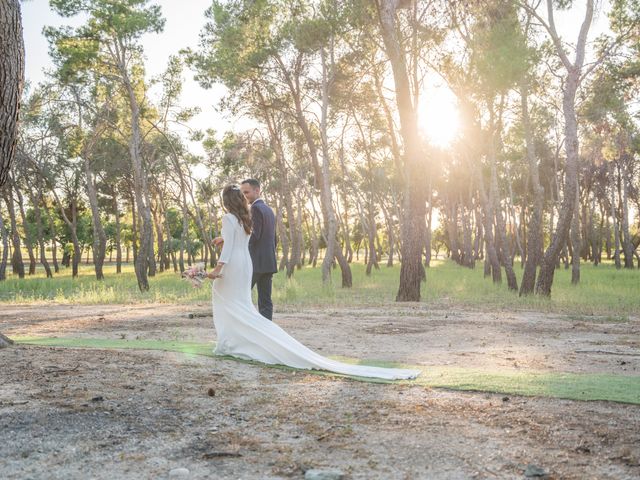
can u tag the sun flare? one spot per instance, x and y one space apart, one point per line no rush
438 116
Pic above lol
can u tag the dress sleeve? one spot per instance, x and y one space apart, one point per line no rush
228 235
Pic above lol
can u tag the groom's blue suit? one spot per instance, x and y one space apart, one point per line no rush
262 247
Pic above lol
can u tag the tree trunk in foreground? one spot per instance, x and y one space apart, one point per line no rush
11 83
414 209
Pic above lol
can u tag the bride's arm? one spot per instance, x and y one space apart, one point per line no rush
228 234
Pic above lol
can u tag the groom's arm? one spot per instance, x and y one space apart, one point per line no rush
256 226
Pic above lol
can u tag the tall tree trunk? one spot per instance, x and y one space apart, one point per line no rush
73 226
284 237
467 249
368 219
313 240
627 245
535 237
183 241
116 213
411 271
300 257
502 246
135 221
391 237
560 236
157 222
197 216
372 233
595 234
28 241
11 81
571 144
331 225
36 201
54 243
429 235
139 186
99 236
598 238
607 240
614 219
5 250
168 241
16 259
585 228
452 231
477 242
575 240
151 254
346 205
296 244
513 221
322 173
491 262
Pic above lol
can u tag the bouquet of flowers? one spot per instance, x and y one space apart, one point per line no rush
195 274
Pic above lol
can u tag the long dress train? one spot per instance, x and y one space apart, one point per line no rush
244 333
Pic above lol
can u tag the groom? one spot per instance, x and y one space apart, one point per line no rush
262 245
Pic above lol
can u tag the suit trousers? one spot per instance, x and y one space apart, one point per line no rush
264 282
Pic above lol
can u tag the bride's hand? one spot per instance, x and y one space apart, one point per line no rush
215 273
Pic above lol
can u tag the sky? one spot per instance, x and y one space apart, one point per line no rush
185 19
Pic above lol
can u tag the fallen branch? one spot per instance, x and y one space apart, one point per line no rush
11 404
198 315
55 369
609 352
220 454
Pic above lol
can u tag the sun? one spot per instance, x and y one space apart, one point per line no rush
438 116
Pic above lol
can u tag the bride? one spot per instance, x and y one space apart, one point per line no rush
242 331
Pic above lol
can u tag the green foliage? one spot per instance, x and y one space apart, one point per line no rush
235 42
130 19
75 52
501 56
606 100
120 23
625 17
30 228
310 34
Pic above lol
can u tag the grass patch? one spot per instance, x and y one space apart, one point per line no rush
614 388
598 318
603 290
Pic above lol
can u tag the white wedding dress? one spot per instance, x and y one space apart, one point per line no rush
244 333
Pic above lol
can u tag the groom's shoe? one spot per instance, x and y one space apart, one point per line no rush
266 312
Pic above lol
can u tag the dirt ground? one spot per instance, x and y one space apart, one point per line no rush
76 413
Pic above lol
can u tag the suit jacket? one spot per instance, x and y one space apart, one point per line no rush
262 243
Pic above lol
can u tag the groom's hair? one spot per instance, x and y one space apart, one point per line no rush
252 181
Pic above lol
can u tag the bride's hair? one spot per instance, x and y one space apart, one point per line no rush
234 202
